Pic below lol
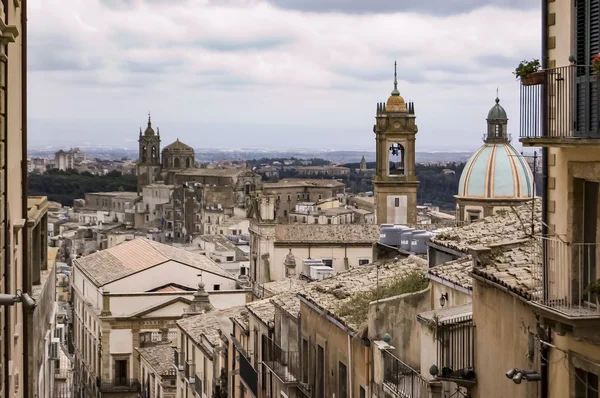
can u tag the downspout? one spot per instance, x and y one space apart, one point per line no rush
7 234
350 390
544 124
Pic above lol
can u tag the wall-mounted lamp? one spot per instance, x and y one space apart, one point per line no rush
443 299
518 376
23 298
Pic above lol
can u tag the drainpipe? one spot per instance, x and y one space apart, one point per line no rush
350 390
8 234
544 125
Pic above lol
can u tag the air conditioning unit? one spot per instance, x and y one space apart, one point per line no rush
53 350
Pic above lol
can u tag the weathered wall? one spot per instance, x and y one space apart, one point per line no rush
398 317
502 326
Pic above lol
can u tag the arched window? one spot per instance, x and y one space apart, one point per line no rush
144 149
396 159
176 163
188 163
153 154
498 131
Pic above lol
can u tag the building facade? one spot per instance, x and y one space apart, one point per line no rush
566 89
395 180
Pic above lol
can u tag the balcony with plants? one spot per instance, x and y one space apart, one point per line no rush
559 106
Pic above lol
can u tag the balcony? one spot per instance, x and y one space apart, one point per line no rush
562 296
248 374
179 360
285 365
400 380
120 385
561 108
456 350
190 372
198 386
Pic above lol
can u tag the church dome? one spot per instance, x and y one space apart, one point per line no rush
496 171
149 129
497 112
178 146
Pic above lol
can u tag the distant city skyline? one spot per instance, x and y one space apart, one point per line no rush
303 73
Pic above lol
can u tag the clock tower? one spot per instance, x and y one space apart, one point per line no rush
395 181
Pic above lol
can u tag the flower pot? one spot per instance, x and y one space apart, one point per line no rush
533 79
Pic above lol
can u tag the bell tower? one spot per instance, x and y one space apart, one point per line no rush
148 166
395 181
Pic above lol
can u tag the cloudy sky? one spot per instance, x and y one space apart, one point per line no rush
272 73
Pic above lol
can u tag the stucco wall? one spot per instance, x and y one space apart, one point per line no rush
169 272
397 316
502 326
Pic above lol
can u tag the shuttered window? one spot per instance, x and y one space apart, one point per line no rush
587 38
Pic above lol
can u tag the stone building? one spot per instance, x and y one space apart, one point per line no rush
395 180
563 98
64 160
138 288
15 276
157 375
339 246
291 191
496 177
149 165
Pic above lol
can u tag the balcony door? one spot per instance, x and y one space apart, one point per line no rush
121 366
587 42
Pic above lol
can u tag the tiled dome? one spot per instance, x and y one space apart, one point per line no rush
496 171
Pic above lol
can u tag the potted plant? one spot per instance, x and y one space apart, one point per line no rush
596 65
594 288
529 72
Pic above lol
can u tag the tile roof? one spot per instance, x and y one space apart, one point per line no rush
213 172
207 325
222 244
510 225
288 302
264 310
303 182
160 357
448 313
516 266
286 285
328 233
456 271
136 255
331 293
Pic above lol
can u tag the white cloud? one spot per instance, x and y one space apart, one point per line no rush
252 64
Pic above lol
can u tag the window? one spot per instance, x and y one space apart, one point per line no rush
328 220
216 287
397 202
285 213
243 271
328 262
320 372
586 384
363 261
120 372
473 217
229 258
305 361
342 381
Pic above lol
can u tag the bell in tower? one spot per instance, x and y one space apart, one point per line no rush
395 181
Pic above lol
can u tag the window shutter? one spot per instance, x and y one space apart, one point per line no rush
587 41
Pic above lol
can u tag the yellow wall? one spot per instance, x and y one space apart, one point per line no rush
502 327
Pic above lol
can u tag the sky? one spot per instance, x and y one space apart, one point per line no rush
272 74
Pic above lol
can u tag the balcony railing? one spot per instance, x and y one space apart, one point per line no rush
248 374
190 371
179 359
285 364
571 106
119 385
401 380
198 385
570 267
456 349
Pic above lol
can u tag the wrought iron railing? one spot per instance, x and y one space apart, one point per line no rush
456 348
248 374
402 380
190 371
570 268
567 98
179 359
285 364
198 385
